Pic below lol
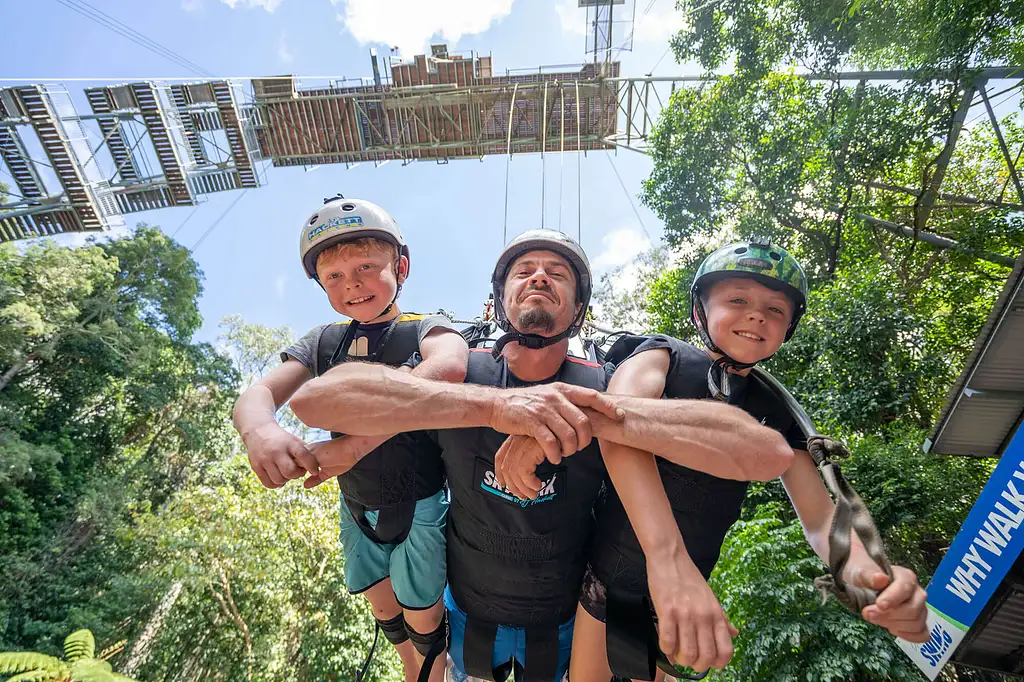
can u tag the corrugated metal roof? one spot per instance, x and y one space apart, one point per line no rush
985 405
996 642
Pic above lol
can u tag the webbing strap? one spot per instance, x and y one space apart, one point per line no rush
393 522
360 674
478 648
436 648
541 663
628 621
850 514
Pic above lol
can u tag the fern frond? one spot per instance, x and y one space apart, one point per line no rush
91 670
112 650
26 661
78 645
40 676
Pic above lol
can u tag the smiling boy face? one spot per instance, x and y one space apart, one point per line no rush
360 277
746 319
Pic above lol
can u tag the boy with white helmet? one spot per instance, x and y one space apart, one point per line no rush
393 506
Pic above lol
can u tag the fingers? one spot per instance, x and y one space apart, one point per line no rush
563 425
548 443
599 402
706 650
288 468
277 479
265 479
301 454
315 480
686 652
723 634
668 635
526 484
499 462
901 590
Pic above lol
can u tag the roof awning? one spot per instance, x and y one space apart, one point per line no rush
985 406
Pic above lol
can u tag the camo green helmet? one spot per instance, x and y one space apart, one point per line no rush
759 260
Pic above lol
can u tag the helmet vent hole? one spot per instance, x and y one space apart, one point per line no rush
348 207
775 256
741 249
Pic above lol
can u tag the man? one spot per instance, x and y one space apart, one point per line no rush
515 566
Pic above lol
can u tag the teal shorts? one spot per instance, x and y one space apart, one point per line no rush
416 565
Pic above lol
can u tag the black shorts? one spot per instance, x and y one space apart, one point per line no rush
594 595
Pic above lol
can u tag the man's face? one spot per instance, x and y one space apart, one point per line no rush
360 282
540 293
746 319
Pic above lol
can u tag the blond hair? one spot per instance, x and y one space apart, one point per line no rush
361 247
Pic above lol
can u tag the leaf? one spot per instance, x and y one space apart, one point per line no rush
22 661
91 671
78 645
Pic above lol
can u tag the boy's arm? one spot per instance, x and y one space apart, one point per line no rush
900 608
445 356
693 629
272 451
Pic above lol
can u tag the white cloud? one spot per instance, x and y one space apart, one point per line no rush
279 283
412 24
191 5
657 26
269 5
620 247
283 53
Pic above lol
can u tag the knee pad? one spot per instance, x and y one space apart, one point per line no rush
394 629
436 640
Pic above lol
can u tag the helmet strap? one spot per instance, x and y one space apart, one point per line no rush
718 379
531 341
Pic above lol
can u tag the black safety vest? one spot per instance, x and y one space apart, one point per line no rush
517 562
705 508
404 469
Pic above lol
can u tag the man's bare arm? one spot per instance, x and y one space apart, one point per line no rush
371 400
704 435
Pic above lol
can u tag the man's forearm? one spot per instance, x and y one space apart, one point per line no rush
704 435
365 399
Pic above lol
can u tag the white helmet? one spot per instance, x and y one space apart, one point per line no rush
342 220
540 240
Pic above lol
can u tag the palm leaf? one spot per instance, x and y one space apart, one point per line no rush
27 661
78 645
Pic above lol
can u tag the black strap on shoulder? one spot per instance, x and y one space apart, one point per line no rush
393 522
384 340
340 353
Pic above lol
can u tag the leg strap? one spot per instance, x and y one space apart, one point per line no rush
541 654
393 522
629 625
430 646
394 629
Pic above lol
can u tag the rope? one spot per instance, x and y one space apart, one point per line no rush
579 171
561 155
850 514
629 196
508 160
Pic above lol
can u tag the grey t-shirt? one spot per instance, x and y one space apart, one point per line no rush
367 341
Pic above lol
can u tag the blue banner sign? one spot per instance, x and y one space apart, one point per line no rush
983 551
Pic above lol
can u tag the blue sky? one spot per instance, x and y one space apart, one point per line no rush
451 215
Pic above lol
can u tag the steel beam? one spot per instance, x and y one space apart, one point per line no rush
1002 144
